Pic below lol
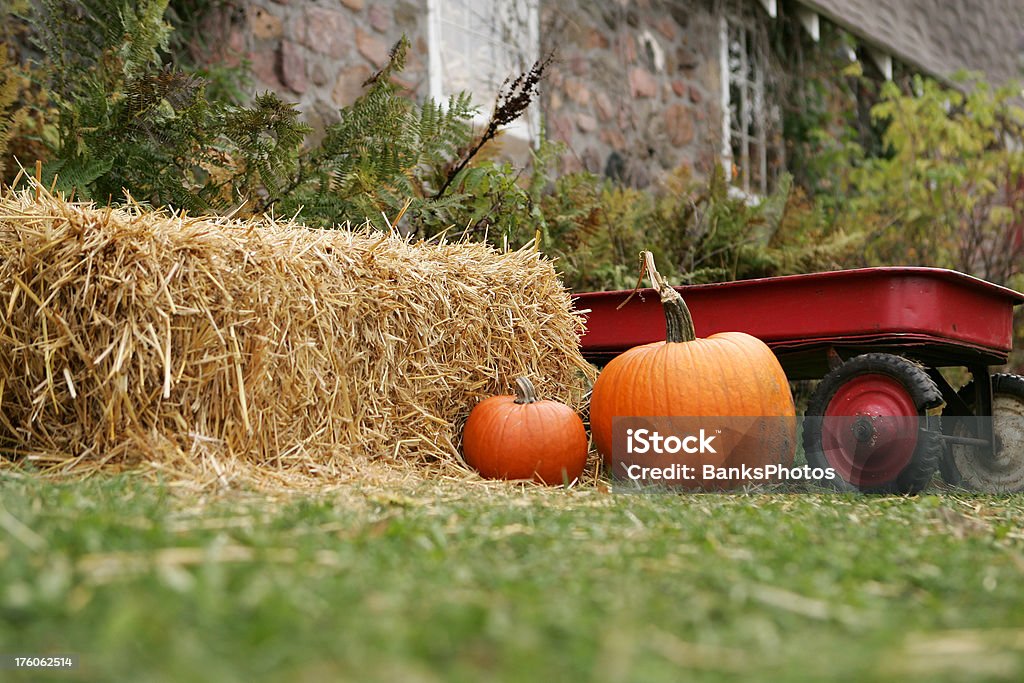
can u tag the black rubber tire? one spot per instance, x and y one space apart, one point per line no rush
924 393
1006 385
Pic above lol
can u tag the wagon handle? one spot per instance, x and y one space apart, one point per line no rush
639 281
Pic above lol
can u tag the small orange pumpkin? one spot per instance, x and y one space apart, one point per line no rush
521 437
730 374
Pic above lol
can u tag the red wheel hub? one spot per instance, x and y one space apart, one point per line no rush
869 431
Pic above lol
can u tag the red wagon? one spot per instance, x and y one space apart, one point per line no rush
877 338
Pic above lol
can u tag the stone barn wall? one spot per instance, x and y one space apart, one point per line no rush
318 54
636 90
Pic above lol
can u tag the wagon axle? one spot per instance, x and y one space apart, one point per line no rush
966 440
864 430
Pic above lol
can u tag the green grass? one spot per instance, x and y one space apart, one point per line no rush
473 584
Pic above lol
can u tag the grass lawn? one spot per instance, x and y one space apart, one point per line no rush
440 582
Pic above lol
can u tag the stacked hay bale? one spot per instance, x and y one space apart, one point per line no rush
129 336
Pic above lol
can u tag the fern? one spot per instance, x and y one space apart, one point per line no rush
384 156
11 115
145 36
265 139
76 39
130 118
78 174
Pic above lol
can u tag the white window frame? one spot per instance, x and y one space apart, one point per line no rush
526 128
754 111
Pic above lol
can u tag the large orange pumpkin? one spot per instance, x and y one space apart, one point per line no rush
521 437
727 376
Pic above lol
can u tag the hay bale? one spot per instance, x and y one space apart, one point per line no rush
129 336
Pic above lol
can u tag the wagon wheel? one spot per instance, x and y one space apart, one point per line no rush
998 470
868 420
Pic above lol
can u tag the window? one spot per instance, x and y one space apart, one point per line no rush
476 44
751 143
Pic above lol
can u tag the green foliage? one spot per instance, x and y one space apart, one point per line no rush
818 106
487 203
11 115
569 214
266 138
950 190
385 156
128 119
389 158
703 230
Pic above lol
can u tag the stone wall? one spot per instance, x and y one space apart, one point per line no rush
634 90
318 53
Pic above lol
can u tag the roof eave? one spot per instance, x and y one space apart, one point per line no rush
875 44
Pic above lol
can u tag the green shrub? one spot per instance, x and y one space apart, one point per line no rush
949 191
698 229
131 116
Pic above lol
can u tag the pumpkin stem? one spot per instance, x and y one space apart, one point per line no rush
678 323
525 392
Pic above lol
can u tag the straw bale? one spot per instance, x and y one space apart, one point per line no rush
216 346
